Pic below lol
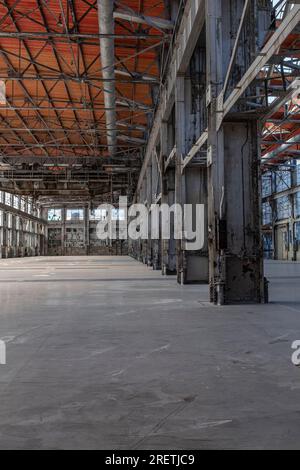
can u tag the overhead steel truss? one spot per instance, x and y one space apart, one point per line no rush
50 61
274 71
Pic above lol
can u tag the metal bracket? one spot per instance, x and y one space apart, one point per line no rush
210 156
220 110
208 95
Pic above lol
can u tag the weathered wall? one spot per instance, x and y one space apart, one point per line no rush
22 232
281 212
79 238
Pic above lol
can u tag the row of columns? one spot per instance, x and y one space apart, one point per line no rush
229 185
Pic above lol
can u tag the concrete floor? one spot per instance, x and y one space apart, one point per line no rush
104 353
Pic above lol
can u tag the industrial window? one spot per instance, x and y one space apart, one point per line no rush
29 206
297 205
26 225
54 215
267 213
8 199
23 204
267 184
16 200
75 214
298 172
268 245
9 220
118 214
283 180
102 214
98 214
297 231
283 208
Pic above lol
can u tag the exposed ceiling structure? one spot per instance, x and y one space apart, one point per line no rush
79 84
81 78
281 80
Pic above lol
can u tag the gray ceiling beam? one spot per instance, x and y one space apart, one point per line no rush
152 21
44 36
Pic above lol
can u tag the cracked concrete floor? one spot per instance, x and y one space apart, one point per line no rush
104 353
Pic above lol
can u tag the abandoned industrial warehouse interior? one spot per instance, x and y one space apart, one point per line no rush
149 227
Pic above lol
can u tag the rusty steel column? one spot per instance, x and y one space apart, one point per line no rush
235 246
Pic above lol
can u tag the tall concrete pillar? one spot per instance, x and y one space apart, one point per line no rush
168 247
234 202
143 244
149 192
196 261
243 253
87 210
292 196
63 230
180 139
156 199
195 174
5 237
190 187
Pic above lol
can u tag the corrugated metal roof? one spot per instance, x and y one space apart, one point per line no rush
53 77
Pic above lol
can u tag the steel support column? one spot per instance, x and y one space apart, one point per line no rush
180 138
156 200
195 176
196 261
149 192
168 247
236 264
